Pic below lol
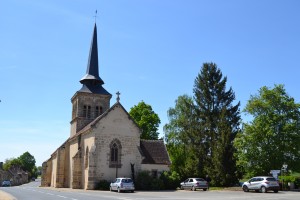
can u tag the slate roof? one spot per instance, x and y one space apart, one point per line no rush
154 152
92 83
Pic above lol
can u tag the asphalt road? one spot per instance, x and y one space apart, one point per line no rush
32 191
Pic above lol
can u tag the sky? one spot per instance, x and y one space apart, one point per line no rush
149 50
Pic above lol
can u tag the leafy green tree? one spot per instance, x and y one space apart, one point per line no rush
180 139
27 161
11 162
146 119
201 130
219 121
272 138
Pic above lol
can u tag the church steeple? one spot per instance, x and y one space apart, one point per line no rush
92 83
92 72
92 100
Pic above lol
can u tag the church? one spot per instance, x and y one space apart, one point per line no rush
104 141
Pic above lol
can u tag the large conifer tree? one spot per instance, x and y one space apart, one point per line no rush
218 123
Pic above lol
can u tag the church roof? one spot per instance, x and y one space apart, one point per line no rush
92 83
154 152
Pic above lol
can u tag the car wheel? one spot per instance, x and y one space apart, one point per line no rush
132 191
263 189
119 191
245 188
204 189
256 190
181 187
275 191
193 188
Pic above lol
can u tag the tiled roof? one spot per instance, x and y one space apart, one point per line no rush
155 152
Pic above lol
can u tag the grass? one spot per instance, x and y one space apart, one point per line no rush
216 188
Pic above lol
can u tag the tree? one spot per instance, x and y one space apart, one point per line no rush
146 119
179 136
272 137
201 130
219 121
11 162
27 161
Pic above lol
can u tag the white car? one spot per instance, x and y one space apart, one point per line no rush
122 184
262 184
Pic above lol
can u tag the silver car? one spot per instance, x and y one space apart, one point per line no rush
122 184
194 184
6 184
262 184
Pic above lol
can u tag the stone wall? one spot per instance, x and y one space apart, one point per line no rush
46 173
15 174
89 178
117 125
60 171
79 100
77 171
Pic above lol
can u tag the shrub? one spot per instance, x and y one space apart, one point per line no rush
103 185
157 184
167 181
297 183
171 180
143 181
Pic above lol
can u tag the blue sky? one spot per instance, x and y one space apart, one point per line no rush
150 50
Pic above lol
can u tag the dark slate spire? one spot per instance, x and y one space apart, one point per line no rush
92 73
91 81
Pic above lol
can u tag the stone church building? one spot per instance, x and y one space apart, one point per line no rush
104 142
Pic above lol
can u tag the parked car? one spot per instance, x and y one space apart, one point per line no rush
262 184
6 184
122 184
194 184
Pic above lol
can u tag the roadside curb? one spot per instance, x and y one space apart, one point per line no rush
6 196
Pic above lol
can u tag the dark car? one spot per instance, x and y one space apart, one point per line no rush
6 183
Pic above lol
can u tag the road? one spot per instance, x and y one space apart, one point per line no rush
32 191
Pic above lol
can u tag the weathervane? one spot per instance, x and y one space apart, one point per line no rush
95 16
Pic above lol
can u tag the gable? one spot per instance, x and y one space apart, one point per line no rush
115 116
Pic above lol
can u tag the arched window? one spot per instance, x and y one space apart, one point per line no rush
115 153
84 110
86 161
98 111
87 111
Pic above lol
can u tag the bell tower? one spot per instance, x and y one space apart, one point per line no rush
92 99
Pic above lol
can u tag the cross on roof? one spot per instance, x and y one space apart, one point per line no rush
118 96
